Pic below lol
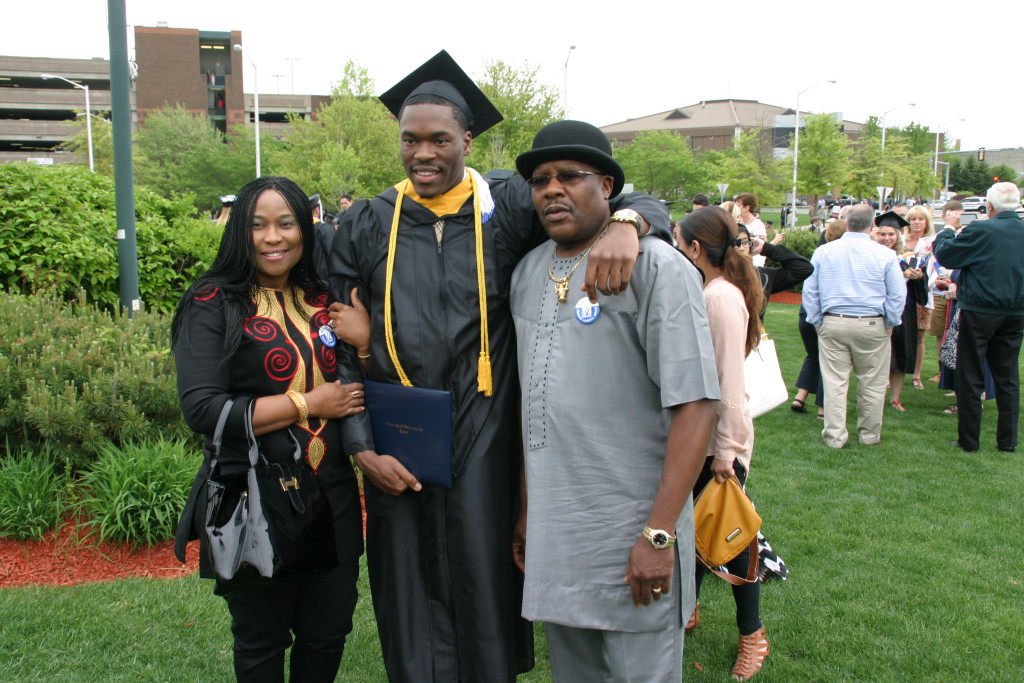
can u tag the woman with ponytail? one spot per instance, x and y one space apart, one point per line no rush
734 299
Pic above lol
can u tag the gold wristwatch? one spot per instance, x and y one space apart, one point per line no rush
626 216
659 539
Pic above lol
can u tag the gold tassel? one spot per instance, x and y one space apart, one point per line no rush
483 375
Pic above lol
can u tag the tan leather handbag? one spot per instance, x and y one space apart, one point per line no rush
725 522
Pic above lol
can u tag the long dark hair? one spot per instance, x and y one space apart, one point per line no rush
233 272
717 232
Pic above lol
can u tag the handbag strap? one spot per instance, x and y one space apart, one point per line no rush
755 558
218 432
254 443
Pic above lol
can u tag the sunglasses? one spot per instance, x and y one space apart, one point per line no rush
539 182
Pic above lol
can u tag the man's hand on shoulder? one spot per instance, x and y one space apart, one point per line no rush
610 264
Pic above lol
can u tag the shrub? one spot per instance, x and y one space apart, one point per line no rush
78 378
136 493
31 495
58 228
803 242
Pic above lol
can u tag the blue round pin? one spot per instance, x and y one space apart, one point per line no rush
327 336
587 312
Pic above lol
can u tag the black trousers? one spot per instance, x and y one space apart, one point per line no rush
995 339
810 371
317 609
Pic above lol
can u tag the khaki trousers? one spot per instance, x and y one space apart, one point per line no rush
860 345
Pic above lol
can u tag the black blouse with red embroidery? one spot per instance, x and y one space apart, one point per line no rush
280 350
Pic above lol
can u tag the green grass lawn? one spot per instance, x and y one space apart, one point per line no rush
906 561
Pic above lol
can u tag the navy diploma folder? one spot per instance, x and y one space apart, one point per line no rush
413 425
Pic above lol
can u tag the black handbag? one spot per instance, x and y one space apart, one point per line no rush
258 519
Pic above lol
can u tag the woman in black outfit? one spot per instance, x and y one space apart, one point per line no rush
793 268
252 329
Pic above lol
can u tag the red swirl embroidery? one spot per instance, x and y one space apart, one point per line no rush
261 329
318 300
206 294
326 359
281 363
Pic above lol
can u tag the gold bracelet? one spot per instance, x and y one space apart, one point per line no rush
362 357
300 404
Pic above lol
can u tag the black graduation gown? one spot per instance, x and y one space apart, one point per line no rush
446 593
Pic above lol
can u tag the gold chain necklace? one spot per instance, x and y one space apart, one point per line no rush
562 284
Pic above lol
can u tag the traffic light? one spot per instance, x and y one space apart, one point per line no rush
995 179
981 154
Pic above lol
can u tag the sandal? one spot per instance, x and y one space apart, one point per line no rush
952 410
898 406
917 383
935 379
798 406
694 620
750 658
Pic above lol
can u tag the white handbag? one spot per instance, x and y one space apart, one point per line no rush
766 390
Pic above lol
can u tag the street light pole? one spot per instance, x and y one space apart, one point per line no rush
565 85
796 146
88 114
885 113
937 133
255 102
292 60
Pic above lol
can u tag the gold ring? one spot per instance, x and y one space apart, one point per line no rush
356 394
656 590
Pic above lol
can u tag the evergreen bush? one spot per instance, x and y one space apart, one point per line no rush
75 378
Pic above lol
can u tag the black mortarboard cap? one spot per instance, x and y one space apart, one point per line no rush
891 219
442 77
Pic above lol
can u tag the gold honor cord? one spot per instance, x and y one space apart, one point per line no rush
484 383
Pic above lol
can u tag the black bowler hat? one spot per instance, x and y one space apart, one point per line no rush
576 141
892 220
442 77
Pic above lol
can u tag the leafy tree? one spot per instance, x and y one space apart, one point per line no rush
824 155
527 106
179 152
102 144
661 163
865 167
750 166
350 146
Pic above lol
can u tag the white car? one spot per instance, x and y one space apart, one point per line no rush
974 204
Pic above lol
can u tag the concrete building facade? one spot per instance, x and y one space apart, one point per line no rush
198 70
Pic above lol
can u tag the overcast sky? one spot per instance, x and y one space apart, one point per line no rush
634 59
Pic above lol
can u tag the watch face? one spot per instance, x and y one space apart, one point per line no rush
659 539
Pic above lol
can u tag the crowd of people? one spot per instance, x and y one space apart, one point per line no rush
465 284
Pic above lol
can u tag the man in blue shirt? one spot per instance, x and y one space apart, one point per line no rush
990 297
854 298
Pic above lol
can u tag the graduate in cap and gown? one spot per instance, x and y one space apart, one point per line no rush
904 336
440 247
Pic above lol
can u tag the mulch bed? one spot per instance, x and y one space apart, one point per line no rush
786 298
67 557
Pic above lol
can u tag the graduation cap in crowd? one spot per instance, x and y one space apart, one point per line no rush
892 220
442 77
314 201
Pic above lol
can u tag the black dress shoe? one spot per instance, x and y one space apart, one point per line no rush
1007 449
956 444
